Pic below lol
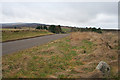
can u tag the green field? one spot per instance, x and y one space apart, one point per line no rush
66 30
71 57
14 34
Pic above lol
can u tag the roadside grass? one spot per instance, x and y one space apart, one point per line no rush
20 34
41 61
57 59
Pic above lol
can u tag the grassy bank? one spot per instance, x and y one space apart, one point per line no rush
75 56
14 34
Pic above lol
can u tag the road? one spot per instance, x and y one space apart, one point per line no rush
14 46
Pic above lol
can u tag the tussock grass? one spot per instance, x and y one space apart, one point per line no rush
72 57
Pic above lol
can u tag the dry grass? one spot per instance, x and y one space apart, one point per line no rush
73 57
105 49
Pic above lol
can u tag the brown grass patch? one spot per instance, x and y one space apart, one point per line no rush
104 50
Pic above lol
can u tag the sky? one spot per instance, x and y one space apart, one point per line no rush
79 14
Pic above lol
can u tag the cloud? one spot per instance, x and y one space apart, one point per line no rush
103 14
106 18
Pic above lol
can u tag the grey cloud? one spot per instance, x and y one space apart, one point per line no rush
66 13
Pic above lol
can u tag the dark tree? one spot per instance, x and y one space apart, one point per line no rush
45 28
38 27
94 29
55 29
99 30
52 28
15 27
41 27
58 29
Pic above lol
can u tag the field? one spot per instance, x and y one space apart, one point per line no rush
66 30
75 56
15 34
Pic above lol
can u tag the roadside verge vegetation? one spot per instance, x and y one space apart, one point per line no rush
75 56
15 34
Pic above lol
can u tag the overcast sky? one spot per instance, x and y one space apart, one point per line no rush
81 14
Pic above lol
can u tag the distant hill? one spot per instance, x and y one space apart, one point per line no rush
34 25
12 25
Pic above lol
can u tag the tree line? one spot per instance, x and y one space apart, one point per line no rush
57 29
98 30
41 27
52 28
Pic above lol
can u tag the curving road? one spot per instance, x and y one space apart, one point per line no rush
14 46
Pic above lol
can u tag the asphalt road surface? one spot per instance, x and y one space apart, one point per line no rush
14 46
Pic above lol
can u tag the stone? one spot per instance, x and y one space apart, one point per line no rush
103 67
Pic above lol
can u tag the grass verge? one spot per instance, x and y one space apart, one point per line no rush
69 57
9 35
